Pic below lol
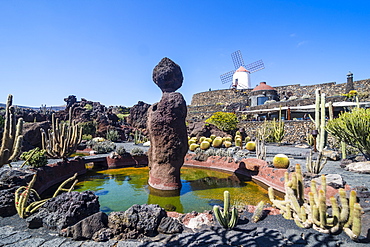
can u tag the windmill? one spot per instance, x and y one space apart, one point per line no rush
239 78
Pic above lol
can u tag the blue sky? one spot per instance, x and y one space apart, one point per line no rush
106 50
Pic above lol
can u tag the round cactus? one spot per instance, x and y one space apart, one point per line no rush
193 146
247 139
208 140
251 146
228 138
213 137
202 139
217 142
204 145
227 144
238 142
281 161
191 141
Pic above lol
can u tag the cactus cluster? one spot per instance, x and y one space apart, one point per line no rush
315 166
62 139
314 212
23 193
224 217
12 137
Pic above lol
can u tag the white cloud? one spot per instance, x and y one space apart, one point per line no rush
302 43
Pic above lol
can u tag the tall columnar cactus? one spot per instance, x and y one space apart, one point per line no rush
320 120
224 217
260 146
278 129
62 139
12 137
313 212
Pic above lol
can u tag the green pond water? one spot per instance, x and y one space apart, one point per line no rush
119 189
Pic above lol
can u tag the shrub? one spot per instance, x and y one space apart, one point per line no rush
137 151
103 147
112 135
121 151
88 107
35 158
353 128
86 137
225 121
88 128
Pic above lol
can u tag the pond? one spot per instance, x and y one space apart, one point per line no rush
119 189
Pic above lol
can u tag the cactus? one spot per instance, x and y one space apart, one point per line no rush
260 146
320 120
315 166
280 161
217 142
23 193
193 146
353 128
204 145
313 212
12 136
224 218
258 212
238 142
62 140
278 129
227 144
251 146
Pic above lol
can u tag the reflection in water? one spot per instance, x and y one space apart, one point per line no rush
118 189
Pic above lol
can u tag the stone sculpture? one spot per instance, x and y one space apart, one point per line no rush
167 129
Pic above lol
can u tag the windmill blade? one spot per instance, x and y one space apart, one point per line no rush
256 66
227 77
237 59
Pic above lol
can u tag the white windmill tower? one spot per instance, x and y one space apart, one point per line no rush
239 78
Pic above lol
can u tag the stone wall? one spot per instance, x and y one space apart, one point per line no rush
204 104
228 96
295 131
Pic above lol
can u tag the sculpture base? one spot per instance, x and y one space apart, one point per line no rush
167 184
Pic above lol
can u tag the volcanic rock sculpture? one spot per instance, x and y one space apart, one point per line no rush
167 129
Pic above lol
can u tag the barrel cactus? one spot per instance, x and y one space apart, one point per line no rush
281 161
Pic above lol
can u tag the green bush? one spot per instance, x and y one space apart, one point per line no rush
112 135
88 107
35 157
89 128
87 137
225 121
353 128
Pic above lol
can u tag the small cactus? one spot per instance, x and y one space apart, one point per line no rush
280 161
217 142
251 146
204 145
224 218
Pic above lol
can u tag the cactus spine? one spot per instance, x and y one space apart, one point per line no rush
12 137
313 212
224 218
62 139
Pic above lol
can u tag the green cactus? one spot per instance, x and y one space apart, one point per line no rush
12 137
315 166
204 145
278 129
258 212
23 193
217 142
313 212
238 142
62 139
224 218
353 128
320 120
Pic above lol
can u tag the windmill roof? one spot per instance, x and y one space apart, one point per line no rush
263 86
242 69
